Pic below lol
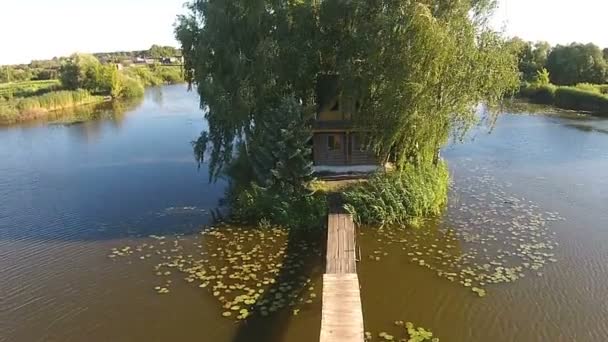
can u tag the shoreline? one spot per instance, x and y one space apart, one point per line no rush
33 114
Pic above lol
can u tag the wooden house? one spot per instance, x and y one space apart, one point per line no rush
337 146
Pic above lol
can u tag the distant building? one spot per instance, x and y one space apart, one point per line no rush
171 60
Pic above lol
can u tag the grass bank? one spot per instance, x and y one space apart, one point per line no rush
29 108
156 74
30 100
399 197
27 88
585 97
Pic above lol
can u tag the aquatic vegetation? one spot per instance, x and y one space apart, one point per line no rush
250 271
400 196
487 237
22 109
407 332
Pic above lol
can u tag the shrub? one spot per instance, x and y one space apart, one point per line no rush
285 208
603 88
269 178
542 77
579 99
130 87
595 88
145 75
399 196
171 74
543 94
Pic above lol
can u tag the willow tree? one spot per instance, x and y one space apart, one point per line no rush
418 68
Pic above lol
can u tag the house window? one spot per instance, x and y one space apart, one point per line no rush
334 142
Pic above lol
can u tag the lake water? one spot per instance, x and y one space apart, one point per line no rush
70 193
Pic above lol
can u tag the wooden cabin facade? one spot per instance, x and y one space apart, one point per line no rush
335 141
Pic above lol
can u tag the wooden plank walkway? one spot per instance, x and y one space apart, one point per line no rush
342 317
340 245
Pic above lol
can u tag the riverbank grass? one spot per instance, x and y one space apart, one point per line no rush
586 97
399 197
29 108
27 88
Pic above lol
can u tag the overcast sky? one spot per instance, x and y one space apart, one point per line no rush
41 29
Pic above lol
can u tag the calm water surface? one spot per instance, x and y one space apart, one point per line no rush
69 193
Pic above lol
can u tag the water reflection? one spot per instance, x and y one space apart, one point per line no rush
69 193
106 171
157 95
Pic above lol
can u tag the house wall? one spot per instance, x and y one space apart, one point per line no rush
321 153
328 115
362 158
359 155
348 154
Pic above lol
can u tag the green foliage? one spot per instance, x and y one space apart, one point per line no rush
419 334
577 63
542 77
27 88
585 96
531 57
603 88
543 94
86 72
581 99
170 74
15 74
156 75
8 111
129 87
596 88
270 177
419 68
157 51
399 197
144 74
21 109
278 148
254 204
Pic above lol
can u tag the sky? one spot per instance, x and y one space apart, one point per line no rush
42 29
555 21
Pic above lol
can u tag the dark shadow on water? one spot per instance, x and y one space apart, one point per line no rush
275 326
171 221
586 128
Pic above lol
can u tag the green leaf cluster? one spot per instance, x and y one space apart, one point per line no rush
270 176
399 197
418 68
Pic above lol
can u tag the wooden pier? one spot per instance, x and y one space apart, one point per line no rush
342 317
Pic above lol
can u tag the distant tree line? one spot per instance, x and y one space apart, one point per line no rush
566 64
39 70
155 51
